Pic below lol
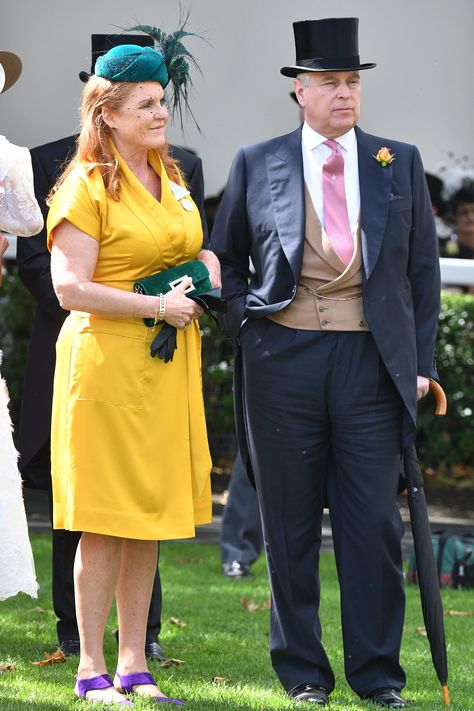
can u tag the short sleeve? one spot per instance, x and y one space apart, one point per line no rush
81 201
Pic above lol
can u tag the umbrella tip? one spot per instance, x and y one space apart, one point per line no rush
447 701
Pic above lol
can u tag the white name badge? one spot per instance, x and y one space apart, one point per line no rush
187 204
180 194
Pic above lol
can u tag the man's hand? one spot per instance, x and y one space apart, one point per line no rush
212 263
422 386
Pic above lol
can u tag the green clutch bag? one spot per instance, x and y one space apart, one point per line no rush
200 291
162 282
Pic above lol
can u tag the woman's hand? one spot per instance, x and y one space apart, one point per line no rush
181 311
210 260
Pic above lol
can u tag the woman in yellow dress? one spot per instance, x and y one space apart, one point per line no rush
130 458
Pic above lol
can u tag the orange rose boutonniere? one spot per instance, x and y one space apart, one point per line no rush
384 157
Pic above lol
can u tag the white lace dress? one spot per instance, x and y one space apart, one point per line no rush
19 212
17 570
20 215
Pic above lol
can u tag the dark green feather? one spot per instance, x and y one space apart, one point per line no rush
177 59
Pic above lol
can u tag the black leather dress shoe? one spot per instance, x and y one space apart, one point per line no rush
309 692
236 569
70 647
154 651
389 699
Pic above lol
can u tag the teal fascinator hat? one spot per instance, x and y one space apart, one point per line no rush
153 56
131 63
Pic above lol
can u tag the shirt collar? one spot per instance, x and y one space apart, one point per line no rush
312 139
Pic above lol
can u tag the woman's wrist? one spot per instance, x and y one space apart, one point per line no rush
160 309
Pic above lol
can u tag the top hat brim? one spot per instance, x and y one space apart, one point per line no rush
103 43
12 66
301 69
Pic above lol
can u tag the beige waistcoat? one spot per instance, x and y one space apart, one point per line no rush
329 295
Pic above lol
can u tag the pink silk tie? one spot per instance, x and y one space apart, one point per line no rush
336 221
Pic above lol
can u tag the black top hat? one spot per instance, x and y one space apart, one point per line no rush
329 45
102 43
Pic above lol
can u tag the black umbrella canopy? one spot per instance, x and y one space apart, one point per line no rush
428 581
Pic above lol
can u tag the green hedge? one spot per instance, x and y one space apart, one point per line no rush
217 376
445 444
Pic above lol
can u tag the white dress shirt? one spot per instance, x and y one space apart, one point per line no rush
315 154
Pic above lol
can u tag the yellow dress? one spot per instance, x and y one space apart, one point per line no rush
129 449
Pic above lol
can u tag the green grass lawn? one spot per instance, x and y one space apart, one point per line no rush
221 639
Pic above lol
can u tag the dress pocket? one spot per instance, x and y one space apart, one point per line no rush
109 368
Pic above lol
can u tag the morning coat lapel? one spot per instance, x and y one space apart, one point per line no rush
375 184
285 176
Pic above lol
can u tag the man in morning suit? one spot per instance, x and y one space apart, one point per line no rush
335 335
35 423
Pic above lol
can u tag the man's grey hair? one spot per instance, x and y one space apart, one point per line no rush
304 78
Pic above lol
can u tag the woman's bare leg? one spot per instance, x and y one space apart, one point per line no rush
133 595
96 570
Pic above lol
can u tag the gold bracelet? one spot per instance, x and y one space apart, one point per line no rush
160 310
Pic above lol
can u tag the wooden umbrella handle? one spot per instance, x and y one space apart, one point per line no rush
441 402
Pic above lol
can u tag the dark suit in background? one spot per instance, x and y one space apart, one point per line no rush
241 539
35 423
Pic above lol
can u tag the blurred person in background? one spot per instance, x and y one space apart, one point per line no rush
461 216
241 539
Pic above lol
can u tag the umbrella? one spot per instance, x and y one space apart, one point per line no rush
428 580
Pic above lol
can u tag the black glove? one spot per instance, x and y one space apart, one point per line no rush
164 343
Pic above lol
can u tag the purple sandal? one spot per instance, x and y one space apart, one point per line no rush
96 683
128 681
